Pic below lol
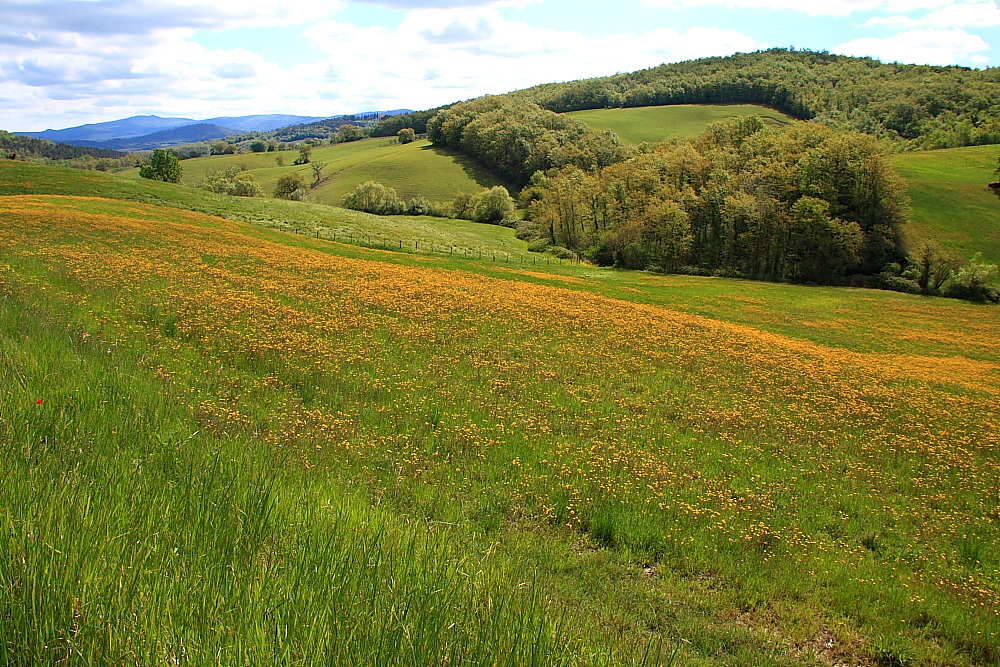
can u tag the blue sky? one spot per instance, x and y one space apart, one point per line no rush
68 62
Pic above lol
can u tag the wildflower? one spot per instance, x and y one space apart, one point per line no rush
38 402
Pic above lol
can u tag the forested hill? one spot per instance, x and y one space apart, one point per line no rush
13 146
928 107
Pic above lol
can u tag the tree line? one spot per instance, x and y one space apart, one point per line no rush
803 204
919 106
13 147
516 138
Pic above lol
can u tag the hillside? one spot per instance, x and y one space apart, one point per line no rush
415 169
929 107
14 146
950 203
636 125
138 126
166 138
548 465
454 237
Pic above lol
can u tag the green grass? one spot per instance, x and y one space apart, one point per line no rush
423 233
415 169
950 201
752 473
637 125
129 529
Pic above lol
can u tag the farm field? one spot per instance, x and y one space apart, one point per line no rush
950 201
415 169
745 472
636 125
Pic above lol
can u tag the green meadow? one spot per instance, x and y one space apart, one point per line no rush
636 125
950 203
413 233
415 169
224 444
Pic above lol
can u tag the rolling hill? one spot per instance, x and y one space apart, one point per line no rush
232 429
415 169
636 125
950 203
165 138
138 126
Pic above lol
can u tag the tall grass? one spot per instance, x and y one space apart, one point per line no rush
130 537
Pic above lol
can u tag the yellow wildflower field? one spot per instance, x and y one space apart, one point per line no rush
865 483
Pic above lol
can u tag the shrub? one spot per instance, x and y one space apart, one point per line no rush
492 206
233 181
539 245
347 133
372 197
418 206
222 148
163 166
305 154
258 147
288 185
406 135
970 282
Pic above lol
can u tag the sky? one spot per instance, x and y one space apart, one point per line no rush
68 62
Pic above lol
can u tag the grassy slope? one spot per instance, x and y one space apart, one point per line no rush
415 169
833 528
635 126
305 217
950 201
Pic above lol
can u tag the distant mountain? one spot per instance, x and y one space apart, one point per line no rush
138 126
146 132
166 138
261 123
135 126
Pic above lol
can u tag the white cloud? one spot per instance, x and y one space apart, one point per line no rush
964 15
931 47
435 56
415 5
826 8
117 17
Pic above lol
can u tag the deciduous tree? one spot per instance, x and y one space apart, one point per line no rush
163 166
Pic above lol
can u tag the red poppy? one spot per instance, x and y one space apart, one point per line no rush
38 402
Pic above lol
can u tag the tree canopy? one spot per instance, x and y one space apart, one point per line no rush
515 138
919 105
163 166
806 204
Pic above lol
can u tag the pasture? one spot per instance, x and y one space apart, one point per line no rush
573 463
639 124
415 169
950 203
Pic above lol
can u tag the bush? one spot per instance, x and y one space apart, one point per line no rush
492 206
305 155
288 185
539 245
406 135
888 281
418 206
258 147
222 148
163 166
347 133
372 197
969 282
